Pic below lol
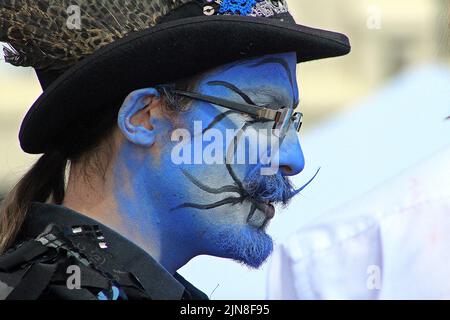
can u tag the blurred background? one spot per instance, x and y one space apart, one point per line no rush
400 52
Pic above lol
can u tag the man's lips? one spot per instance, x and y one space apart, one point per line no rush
267 208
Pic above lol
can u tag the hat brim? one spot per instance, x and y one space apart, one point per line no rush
161 54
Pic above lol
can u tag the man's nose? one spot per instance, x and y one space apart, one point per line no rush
292 161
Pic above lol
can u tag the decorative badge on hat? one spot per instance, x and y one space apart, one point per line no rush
240 7
254 8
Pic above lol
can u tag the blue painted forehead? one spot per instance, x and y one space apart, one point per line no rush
254 74
286 61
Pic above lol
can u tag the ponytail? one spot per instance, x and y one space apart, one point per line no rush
46 178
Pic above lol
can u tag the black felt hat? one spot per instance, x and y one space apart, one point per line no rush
185 38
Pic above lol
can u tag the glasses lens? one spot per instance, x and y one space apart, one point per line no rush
297 119
283 122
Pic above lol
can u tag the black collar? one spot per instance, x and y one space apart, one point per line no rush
157 281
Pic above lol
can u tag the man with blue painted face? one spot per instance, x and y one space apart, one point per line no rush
175 124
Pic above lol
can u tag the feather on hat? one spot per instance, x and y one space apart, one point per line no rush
39 36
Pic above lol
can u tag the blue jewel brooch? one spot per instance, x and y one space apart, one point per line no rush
237 7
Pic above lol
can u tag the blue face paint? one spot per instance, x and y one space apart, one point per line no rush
241 243
177 211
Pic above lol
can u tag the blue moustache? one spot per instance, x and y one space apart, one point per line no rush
275 189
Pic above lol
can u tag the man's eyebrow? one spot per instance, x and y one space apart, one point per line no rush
233 88
276 98
282 63
270 60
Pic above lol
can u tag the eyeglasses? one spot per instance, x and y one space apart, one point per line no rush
283 117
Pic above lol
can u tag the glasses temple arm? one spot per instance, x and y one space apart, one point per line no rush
260 112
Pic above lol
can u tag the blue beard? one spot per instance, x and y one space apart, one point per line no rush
245 244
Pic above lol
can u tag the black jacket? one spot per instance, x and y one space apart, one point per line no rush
61 254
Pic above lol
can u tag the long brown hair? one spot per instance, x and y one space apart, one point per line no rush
44 180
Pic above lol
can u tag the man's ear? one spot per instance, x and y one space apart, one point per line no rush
134 116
